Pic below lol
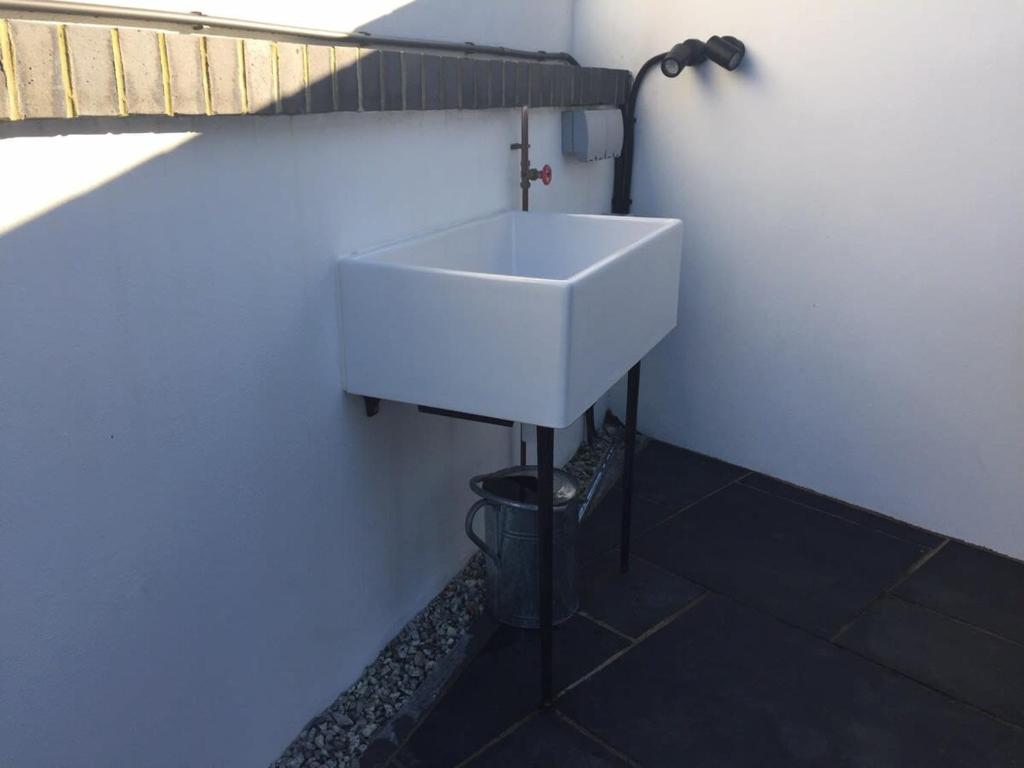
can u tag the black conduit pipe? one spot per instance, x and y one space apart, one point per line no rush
622 186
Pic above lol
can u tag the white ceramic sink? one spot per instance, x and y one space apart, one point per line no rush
529 317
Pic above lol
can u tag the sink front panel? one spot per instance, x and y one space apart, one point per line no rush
455 340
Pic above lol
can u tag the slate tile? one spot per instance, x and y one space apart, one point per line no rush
726 685
979 587
621 87
600 530
346 78
450 82
625 86
501 686
496 84
967 663
608 86
578 83
834 507
291 77
632 602
523 74
546 741
431 81
369 80
536 94
796 563
413 65
676 477
509 92
547 84
563 86
467 83
482 83
391 63
320 81
589 87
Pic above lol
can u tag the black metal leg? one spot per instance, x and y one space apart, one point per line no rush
591 426
632 397
545 549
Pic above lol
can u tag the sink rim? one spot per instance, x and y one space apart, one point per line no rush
365 257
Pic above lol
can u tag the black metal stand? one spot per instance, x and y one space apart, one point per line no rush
591 426
632 398
545 524
545 543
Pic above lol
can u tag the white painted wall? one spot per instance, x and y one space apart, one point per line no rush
852 297
202 541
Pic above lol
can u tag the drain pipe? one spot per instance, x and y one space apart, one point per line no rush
623 182
197 22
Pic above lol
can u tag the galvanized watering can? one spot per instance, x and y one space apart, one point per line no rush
510 543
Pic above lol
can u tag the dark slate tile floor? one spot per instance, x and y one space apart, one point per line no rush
813 569
972 585
499 688
547 741
760 625
632 603
868 519
966 662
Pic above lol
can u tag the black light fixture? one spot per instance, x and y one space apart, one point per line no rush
688 53
725 51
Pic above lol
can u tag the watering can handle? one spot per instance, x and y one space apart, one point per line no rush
470 516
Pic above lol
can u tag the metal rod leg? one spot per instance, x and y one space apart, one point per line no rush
591 426
545 547
632 397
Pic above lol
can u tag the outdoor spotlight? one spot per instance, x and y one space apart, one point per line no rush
685 54
725 51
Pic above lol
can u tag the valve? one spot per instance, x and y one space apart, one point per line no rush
543 175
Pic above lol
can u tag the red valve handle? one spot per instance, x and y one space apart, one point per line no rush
545 175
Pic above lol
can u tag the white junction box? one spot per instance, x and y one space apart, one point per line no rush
592 134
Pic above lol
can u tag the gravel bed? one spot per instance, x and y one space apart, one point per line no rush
338 736
587 459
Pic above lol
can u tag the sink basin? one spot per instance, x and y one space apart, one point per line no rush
529 317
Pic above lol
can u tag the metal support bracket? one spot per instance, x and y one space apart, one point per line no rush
464 416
